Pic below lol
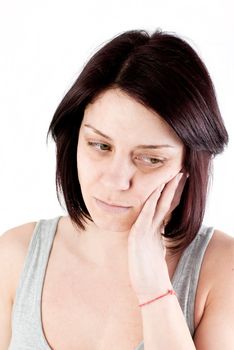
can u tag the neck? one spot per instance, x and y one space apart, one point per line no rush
102 249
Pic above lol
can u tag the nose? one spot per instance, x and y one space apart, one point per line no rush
118 173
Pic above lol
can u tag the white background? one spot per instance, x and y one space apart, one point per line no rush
45 44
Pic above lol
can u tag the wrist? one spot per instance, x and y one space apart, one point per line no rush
167 293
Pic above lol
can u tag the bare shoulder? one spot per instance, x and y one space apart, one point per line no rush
13 249
221 260
220 252
216 327
221 238
218 259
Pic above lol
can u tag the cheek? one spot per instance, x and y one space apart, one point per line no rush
147 184
86 177
143 186
150 182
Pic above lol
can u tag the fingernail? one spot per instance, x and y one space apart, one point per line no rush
161 187
179 177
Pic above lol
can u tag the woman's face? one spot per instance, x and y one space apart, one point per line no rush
125 151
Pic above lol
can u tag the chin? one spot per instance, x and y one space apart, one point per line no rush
108 221
112 225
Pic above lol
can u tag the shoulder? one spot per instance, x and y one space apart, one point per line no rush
217 321
221 260
221 239
13 249
218 258
219 252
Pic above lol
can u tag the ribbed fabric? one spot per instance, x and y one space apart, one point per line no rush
27 332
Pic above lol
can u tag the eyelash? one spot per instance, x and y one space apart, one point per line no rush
94 144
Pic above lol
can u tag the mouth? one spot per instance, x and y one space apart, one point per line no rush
112 208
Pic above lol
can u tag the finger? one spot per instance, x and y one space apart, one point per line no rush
147 212
176 198
178 193
164 204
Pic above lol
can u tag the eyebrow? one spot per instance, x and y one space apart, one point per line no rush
139 146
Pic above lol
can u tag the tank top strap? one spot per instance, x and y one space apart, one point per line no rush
26 315
186 276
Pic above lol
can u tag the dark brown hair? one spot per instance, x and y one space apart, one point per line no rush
164 73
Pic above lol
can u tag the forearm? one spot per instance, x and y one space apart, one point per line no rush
164 326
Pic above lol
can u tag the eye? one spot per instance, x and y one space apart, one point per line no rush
146 160
98 145
150 161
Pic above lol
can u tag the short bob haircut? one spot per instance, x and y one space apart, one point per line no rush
164 73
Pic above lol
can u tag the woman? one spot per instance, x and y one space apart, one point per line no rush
131 266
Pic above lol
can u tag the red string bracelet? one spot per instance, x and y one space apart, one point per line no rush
169 292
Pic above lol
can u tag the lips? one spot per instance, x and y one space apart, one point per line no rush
111 209
113 204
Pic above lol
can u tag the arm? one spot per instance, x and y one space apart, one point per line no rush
216 328
13 248
5 295
164 324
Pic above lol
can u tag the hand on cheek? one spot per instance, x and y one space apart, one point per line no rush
147 266
161 202
169 198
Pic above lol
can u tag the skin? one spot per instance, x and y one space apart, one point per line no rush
116 171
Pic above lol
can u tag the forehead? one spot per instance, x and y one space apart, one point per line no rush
119 115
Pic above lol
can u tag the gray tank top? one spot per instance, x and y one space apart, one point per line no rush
27 330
